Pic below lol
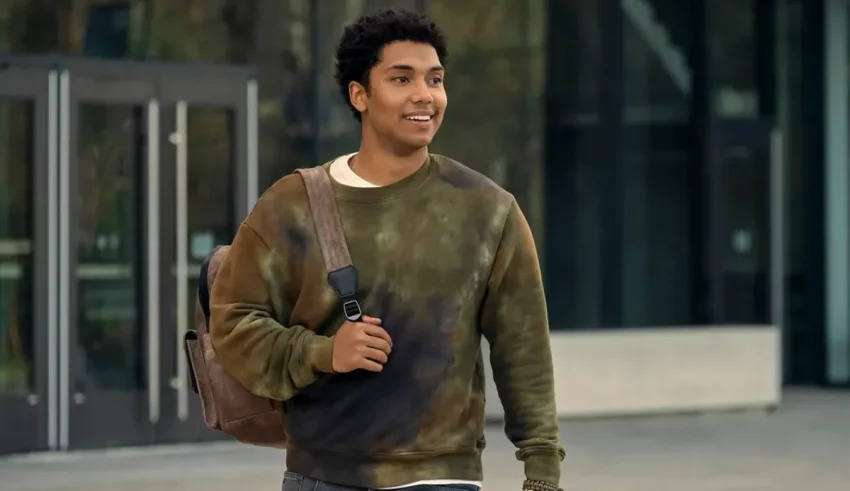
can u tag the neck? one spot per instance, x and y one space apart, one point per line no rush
382 166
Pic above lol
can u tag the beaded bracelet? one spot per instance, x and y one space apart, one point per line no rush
539 486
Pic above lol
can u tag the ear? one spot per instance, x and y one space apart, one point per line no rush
358 95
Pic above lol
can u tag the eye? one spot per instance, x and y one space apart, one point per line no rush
437 80
401 79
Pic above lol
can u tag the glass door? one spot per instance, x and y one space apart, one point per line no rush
109 209
160 172
117 178
746 223
27 260
205 196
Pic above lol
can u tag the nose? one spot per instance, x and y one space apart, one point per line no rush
422 94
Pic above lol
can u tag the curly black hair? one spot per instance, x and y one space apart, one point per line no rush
362 42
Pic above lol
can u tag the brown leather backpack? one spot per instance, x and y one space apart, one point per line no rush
226 404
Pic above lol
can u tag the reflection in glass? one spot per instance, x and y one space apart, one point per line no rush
657 280
210 193
734 30
573 204
16 328
659 72
109 334
747 245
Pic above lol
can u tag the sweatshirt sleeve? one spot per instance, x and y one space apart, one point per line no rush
515 323
270 359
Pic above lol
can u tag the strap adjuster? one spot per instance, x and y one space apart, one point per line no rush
352 310
344 282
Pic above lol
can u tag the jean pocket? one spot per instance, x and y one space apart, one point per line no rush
292 481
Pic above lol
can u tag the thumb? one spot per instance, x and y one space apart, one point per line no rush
371 320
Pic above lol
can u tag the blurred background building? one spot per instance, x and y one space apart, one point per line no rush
684 164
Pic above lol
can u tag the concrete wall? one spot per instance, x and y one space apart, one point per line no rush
641 371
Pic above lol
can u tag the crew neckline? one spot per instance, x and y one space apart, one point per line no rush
383 193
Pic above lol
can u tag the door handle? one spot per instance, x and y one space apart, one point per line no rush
252 113
63 260
153 262
53 262
180 140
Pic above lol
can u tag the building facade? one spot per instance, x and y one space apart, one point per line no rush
684 166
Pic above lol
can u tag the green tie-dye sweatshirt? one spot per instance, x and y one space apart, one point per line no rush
444 257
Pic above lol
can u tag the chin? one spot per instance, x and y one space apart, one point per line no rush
418 142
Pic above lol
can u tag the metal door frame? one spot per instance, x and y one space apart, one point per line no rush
76 88
40 86
164 77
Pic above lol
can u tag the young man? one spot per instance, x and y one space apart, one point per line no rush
444 257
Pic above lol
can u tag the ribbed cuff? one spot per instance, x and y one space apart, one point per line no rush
541 466
320 353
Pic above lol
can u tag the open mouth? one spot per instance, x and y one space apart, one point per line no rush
419 118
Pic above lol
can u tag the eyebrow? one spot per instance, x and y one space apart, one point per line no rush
435 68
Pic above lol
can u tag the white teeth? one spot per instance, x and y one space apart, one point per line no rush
419 118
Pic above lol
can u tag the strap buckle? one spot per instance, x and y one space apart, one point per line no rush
344 281
352 310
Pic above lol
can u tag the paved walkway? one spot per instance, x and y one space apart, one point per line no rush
803 446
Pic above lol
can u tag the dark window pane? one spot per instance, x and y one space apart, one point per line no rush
573 232
110 334
17 347
659 163
733 49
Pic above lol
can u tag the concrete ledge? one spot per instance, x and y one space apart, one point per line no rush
650 371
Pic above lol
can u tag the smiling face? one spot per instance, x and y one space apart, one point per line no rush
406 99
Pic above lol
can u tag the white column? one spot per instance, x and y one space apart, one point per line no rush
837 182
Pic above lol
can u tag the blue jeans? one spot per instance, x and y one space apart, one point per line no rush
296 482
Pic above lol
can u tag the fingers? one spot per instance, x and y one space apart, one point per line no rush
372 366
379 344
376 355
363 345
377 332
